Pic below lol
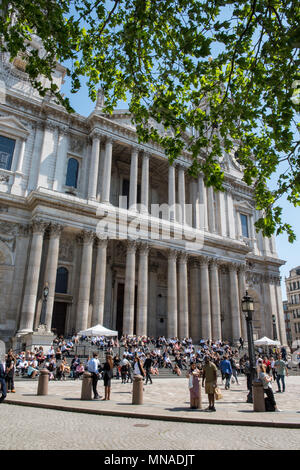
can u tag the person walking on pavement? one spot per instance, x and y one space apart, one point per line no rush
93 368
147 367
281 373
226 370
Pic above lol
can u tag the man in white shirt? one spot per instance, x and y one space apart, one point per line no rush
93 368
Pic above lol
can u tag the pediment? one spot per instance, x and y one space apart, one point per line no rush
12 126
242 204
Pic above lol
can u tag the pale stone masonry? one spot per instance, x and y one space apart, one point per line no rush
77 214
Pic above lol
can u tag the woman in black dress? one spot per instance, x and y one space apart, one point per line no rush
107 375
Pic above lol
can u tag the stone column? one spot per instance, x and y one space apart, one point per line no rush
51 269
152 299
183 296
181 193
234 302
107 171
203 218
100 281
32 277
281 321
231 216
172 294
36 155
145 183
211 210
205 299
134 166
86 239
172 193
129 293
22 244
195 318
215 301
94 167
61 157
21 156
142 298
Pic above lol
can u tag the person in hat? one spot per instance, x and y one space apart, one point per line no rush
210 375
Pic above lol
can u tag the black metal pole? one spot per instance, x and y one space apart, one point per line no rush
251 353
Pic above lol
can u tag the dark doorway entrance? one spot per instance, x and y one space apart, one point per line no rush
59 318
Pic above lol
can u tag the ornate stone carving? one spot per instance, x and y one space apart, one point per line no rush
172 254
39 225
76 145
55 229
66 250
131 246
24 230
4 178
143 247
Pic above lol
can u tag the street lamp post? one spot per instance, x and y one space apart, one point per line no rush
248 308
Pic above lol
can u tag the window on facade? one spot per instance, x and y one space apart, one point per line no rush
244 224
62 276
72 173
7 147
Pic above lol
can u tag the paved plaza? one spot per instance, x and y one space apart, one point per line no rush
164 421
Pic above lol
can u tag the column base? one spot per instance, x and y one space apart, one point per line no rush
32 339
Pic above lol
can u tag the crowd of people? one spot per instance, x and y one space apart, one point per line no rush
146 356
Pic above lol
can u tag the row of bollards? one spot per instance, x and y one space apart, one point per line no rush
137 390
86 388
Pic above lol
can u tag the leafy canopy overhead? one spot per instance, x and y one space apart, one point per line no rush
224 72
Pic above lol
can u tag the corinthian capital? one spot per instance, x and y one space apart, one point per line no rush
39 225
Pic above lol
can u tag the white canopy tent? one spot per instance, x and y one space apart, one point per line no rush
264 341
98 330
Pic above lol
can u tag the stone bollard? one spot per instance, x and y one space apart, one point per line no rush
137 390
86 388
43 382
258 396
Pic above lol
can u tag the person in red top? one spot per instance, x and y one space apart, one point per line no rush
267 363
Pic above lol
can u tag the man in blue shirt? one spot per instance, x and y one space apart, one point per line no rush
226 370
